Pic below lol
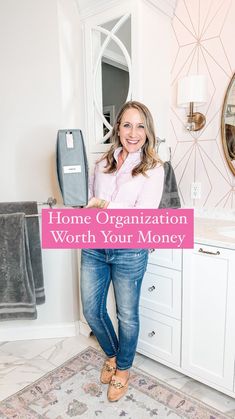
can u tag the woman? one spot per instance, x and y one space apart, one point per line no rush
129 175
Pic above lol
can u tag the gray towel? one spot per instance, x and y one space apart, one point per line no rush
17 294
170 196
28 207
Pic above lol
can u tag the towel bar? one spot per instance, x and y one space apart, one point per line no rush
51 201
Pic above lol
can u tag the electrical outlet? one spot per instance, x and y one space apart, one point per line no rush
196 189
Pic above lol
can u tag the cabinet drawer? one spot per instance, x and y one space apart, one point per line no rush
159 336
169 258
161 291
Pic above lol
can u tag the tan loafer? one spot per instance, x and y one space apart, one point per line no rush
117 389
107 372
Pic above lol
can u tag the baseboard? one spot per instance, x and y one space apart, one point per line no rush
84 329
45 331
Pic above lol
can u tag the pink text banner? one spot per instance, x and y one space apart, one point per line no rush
117 228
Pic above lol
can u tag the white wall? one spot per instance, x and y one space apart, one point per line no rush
40 84
156 71
151 63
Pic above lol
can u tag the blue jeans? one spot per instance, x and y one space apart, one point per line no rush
125 268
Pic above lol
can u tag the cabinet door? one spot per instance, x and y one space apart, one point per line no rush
159 336
208 314
169 258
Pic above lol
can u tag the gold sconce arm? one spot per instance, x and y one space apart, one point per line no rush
195 120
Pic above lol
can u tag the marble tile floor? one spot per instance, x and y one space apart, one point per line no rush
23 362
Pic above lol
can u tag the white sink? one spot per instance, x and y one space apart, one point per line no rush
227 231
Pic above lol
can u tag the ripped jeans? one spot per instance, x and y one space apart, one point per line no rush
125 268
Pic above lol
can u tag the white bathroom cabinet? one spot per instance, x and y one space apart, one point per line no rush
187 313
208 315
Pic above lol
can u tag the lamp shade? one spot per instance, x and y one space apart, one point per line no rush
192 88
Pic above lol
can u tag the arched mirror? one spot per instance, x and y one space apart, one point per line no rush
228 125
111 72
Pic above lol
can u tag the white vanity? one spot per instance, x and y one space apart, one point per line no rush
187 306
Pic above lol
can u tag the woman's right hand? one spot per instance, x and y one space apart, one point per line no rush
96 203
93 203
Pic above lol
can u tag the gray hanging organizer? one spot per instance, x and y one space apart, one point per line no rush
72 167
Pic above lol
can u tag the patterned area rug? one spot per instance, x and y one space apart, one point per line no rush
73 390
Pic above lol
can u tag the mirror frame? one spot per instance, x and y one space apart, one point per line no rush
110 35
93 117
223 134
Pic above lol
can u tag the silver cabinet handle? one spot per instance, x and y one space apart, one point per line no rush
151 334
152 288
208 252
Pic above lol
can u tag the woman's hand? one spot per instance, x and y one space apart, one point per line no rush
97 203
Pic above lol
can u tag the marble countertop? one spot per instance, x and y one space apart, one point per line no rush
215 231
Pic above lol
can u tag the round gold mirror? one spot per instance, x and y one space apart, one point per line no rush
228 125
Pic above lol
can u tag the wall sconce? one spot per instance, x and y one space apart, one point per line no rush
192 91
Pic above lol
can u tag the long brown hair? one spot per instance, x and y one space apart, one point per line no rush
149 155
